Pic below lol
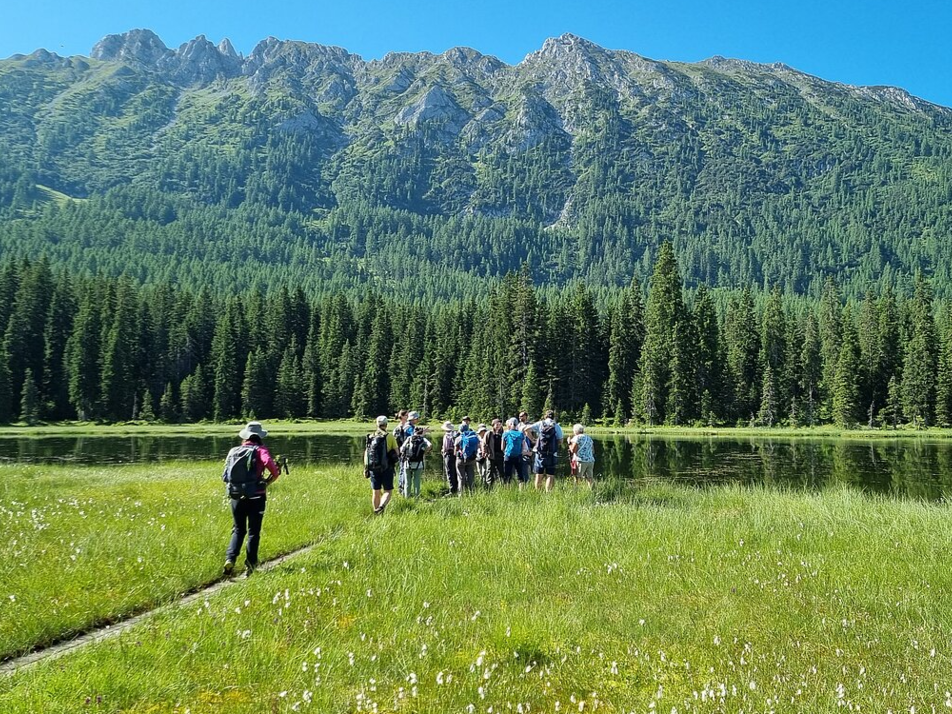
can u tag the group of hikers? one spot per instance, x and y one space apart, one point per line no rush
486 455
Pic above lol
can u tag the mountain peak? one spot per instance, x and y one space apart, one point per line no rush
227 49
141 46
568 43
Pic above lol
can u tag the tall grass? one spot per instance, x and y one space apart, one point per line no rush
660 599
83 546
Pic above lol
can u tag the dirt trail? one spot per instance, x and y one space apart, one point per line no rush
62 647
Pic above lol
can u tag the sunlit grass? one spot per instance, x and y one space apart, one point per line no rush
84 545
649 599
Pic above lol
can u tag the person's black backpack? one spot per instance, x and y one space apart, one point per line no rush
414 448
377 461
548 441
241 472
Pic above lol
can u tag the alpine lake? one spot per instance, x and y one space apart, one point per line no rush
904 468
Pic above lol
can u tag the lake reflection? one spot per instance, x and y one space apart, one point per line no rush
910 468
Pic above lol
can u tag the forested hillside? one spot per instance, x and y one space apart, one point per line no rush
106 349
419 176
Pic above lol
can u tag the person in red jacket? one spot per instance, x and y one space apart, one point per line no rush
248 498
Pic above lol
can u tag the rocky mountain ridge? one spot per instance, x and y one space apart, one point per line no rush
759 167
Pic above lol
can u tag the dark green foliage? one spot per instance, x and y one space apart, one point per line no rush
30 399
315 173
919 359
743 349
126 351
665 361
845 392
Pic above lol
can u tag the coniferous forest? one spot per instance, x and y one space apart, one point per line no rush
191 234
100 348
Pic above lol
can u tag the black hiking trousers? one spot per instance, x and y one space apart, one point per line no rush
248 514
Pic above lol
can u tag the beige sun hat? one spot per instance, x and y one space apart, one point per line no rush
448 426
253 428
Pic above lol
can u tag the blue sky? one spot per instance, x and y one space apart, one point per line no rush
872 42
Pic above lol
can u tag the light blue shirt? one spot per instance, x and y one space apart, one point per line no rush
537 428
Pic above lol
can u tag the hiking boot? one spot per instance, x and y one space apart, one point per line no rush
250 568
229 568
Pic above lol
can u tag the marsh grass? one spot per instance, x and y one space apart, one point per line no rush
666 598
85 546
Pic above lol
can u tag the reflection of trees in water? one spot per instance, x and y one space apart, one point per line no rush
917 470
904 467
769 462
612 456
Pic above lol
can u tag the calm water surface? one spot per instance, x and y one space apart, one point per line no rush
907 468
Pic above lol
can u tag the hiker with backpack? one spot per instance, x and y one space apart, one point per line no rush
513 444
467 449
380 460
412 452
448 450
400 432
247 490
482 462
546 449
530 435
582 449
495 459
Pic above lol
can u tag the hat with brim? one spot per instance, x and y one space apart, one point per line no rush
413 415
253 428
481 428
447 426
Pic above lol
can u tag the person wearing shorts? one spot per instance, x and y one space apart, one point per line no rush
382 483
546 450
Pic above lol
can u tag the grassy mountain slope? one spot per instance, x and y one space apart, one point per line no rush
428 173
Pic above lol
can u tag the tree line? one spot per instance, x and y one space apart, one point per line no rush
109 349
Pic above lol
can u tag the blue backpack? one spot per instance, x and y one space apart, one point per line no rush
468 445
513 443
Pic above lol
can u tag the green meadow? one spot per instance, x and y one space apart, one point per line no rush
639 597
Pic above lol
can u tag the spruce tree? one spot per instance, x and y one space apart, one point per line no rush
82 355
943 401
532 399
227 359
30 399
193 393
119 357
769 403
289 391
625 338
894 402
709 355
830 330
845 396
23 339
6 398
147 412
664 311
919 362
56 332
773 348
168 408
256 390
811 372
743 350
